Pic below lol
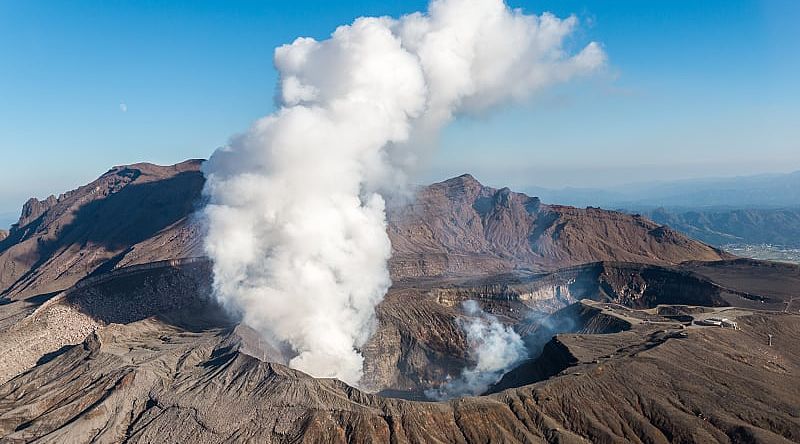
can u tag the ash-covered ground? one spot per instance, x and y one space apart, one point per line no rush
112 332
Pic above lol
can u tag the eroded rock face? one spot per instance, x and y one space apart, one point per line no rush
131 214
40 332
148 381
461 228
116 340
143 213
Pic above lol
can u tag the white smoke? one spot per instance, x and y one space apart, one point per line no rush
495 349
296 222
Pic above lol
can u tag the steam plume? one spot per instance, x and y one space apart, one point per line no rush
296 223
495 348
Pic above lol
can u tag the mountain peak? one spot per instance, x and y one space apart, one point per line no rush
152 169
462 182
465 179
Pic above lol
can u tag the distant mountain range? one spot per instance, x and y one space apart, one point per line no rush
759 191
776 226
761 209
141 213
110 333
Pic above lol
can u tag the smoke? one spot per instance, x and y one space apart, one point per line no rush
296 221
546 324
494 347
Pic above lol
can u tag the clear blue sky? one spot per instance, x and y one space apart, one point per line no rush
694 88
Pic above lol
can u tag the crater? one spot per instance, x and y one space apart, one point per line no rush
420 343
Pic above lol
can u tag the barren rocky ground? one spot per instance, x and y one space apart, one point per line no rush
110 333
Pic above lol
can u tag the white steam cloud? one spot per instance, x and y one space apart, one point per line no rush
494 347
296 223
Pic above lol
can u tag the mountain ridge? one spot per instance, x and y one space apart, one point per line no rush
112 332
779 226
773 190
143 212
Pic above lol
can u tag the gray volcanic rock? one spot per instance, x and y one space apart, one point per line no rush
148 381
131 214
110 333
459 227
142 213
34 208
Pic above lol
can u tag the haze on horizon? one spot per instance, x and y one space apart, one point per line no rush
692 90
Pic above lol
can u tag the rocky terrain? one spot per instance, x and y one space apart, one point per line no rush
111 334
462 227
142 213
131 214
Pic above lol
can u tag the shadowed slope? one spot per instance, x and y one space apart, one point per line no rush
160 365
146 382
131 214
460 227
140 213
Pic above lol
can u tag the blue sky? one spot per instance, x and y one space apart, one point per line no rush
693 89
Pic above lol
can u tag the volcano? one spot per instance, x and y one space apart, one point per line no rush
112 333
